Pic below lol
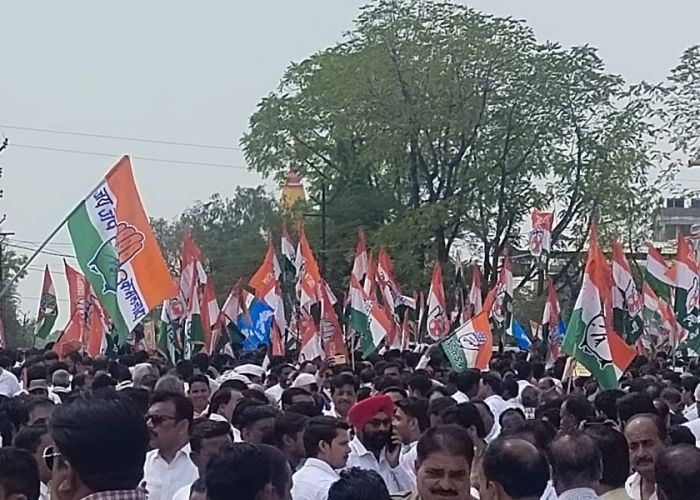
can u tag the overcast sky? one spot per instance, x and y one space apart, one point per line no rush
194 72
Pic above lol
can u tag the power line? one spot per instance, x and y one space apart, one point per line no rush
122 138
141 158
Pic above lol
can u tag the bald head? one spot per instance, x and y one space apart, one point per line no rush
576 463
677 475
516 466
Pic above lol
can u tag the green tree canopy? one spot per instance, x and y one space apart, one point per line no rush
452 124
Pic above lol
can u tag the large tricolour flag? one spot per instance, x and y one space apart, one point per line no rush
627 302
367 318
657 274
590 338
471 345
359 265
687 303
117 251
48 307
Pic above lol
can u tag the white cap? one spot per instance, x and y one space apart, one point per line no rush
304 379
232 375
250 369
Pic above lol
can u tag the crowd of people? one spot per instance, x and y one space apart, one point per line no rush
399 425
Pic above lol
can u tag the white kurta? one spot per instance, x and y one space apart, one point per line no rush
396 479
313 480
164 479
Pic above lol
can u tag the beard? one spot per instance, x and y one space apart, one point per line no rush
376 441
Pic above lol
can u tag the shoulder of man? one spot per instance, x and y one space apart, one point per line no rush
408 495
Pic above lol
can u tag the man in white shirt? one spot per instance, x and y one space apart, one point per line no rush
647 437
283 372
207 438
326 441
168 466
410 421
374 447
490 390
9 385
492 428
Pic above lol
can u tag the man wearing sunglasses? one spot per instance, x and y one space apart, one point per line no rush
169 466
100 445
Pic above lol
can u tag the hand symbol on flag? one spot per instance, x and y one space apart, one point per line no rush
114 253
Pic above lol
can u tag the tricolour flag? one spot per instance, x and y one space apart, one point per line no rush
367 318
289 251
470 345
541 237
48 307
660 319
501 307
359 265
553 328
437 323
117 251
171 316
475 300
590 338
687 293
657 274
627 303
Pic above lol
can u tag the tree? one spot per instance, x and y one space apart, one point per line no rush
463 122
231 232
19 332
681 103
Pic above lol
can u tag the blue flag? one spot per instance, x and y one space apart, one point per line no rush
520 336
257 331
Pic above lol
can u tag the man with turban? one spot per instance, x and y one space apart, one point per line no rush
375 446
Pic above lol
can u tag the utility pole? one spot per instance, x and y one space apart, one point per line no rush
3 235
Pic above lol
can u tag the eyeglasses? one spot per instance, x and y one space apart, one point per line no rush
159 419
50 454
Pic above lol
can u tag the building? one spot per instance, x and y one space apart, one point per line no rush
680 215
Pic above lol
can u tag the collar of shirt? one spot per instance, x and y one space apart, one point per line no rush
633 486
494 432
617 494
138 494
43 491
186 450
579 494
361 451
320 465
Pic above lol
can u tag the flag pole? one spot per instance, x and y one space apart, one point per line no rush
48 239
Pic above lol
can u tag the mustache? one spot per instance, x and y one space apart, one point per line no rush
444 493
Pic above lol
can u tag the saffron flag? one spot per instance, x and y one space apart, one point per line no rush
471 345
552 327
48 307
501 307
475 300
590 338
541 237
331 332
117 251
658 274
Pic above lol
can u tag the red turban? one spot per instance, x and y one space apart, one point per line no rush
365 410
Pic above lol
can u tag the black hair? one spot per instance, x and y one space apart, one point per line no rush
242 405
396 389
34 402
495 383
363 393
204 428
419 382
511 388
321 429
254 414
574 459
279 468
538 432
183 406
523 370
199 486
633 404
690 383
513 409
437 406
676 471
518 466
88 425
102 381
19 474
606 403
201 361
579 406
452 439
287 424
220 398
184 369
201 378
255 394
465 415
239 471
38 371
343 379
416 408
614 452
466 380
680 434
359 484
288 395
236 385
29 437
139 396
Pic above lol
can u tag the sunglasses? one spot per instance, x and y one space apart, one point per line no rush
156 420
50 454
